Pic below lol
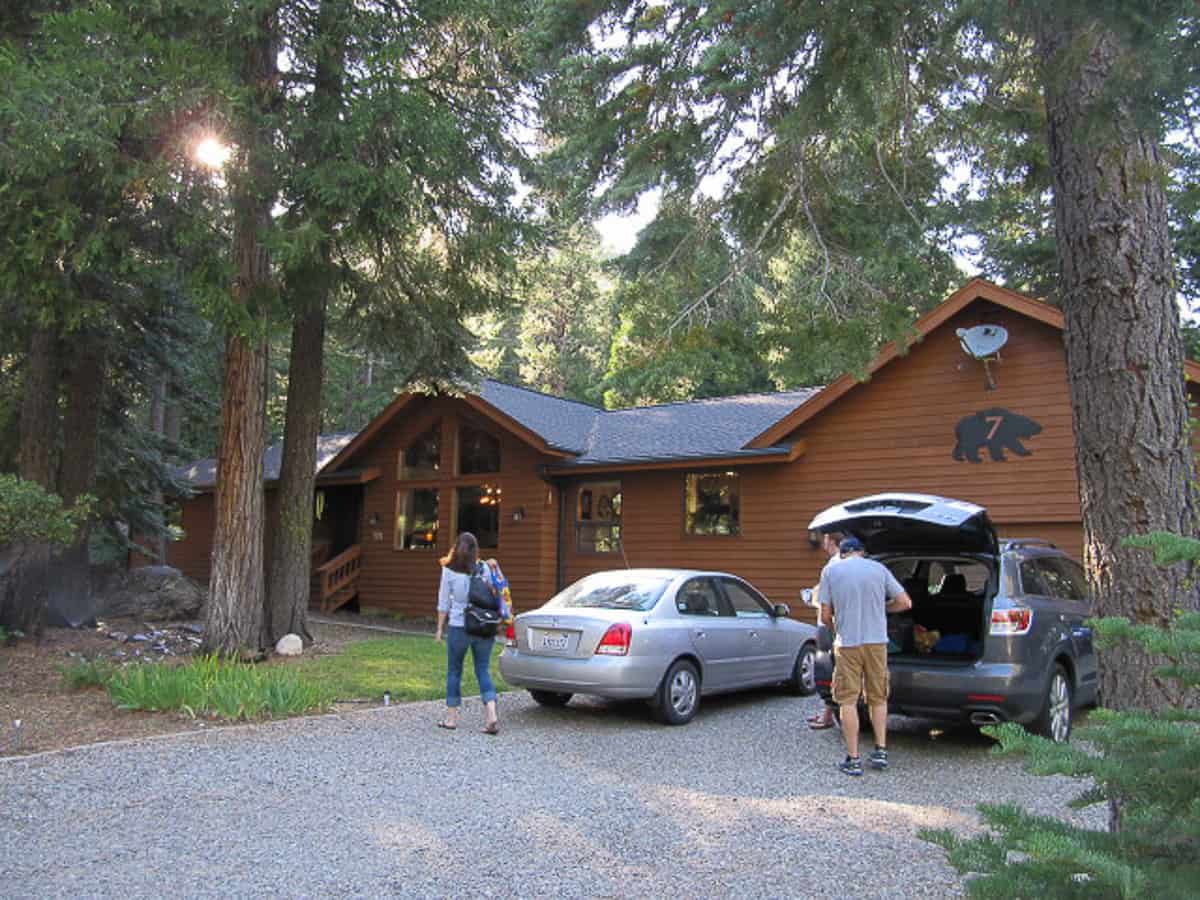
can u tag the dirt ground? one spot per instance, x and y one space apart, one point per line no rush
38 712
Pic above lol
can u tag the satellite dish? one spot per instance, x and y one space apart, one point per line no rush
982 341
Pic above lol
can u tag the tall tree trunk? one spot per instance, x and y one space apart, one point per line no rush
37 455
158 413
1124 350
234 615
25 565
70 601
291 534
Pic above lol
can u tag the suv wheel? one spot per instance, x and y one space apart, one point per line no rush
1054 721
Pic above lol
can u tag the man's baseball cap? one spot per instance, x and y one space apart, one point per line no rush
851 545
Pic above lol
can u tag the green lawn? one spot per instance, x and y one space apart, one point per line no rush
409 667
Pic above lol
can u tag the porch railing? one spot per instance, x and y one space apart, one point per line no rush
338 578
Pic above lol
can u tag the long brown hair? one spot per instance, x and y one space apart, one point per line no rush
464 555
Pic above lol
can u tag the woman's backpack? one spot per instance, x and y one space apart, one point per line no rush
482 615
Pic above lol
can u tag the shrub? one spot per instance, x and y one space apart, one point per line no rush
1143 765
28 512
211 686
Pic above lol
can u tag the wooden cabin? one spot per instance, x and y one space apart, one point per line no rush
557 489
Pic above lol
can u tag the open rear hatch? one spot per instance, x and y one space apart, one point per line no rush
951 591
906 523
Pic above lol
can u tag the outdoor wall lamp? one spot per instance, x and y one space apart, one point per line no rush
373 519
814 539
518 514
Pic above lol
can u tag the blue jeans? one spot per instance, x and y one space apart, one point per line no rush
457 642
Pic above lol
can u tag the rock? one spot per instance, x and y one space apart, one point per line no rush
152 593
290 645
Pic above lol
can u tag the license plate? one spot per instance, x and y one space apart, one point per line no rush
554 640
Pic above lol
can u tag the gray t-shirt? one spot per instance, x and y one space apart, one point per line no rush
858 589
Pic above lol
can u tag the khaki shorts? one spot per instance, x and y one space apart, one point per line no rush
858 665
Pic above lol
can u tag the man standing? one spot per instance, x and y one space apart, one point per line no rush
856 596
831 544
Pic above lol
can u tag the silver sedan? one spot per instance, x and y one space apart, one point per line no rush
669 636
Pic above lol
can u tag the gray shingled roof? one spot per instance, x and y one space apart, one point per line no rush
697 429
721 426
564 424
203 473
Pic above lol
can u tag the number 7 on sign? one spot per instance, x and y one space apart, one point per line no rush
995 420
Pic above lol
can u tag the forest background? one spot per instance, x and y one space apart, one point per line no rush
409 195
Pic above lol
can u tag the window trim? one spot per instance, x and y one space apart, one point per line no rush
405 488
613 521
701 473
436 427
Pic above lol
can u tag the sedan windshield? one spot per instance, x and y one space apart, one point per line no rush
612 590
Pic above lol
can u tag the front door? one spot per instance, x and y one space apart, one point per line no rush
766 644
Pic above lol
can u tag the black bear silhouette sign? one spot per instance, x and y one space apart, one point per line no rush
998 430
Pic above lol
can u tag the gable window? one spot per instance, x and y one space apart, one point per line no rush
478 511
416 519
598 517
423 457
478 452
712 503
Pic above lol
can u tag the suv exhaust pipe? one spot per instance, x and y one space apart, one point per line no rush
984 718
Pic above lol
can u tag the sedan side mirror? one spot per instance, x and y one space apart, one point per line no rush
781 611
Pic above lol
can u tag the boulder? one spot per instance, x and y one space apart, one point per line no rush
151 593
289 645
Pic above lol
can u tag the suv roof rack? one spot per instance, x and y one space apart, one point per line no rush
1018 543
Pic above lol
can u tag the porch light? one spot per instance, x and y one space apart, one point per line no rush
814 539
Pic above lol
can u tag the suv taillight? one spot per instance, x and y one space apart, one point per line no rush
510 635
1017 620
616 640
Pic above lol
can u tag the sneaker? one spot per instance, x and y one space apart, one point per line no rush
878 758
851 765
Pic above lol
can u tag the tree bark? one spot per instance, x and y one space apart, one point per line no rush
69 587
23 593
291 533
1123 344
234 615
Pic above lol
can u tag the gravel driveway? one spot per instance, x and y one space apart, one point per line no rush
592 800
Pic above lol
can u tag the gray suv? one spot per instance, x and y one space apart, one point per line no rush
996 632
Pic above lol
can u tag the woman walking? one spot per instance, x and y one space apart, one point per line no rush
457 568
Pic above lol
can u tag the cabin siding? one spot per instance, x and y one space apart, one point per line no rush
894 432
406 581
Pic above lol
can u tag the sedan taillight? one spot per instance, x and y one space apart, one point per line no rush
510 635
1017 620
616 640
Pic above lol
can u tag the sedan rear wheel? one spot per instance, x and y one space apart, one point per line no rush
1054 721
551 698
679 694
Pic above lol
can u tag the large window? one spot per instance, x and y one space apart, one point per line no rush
423 457
598 517
478 512
416 519
712 503
478 452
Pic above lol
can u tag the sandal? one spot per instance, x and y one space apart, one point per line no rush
491 728
819 724
444 724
